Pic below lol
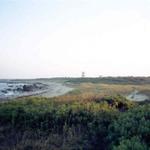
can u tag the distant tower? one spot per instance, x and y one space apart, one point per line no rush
83 74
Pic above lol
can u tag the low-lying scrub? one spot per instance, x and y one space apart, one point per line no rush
99 124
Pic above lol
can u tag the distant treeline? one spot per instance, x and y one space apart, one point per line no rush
108 80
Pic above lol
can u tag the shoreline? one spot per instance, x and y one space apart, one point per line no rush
52 89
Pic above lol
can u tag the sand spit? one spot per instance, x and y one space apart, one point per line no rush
56 89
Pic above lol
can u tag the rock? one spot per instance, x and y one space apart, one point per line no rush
9 89
19 89
4 91
28 88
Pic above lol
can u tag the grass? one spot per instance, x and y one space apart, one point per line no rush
94 116
100 90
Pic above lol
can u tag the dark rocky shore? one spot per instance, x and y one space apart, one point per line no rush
10 89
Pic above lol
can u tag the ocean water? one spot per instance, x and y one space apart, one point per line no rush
3 86
15 89
9 89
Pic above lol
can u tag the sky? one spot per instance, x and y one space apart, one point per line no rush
63 38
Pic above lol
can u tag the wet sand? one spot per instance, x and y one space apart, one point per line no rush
55 89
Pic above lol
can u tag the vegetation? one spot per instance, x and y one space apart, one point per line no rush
85 88
106 80
92 123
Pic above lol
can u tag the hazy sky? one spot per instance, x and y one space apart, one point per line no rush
47 38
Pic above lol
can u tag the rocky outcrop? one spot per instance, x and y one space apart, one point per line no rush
12 89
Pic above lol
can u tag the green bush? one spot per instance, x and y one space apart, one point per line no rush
133 123
134 144
101 124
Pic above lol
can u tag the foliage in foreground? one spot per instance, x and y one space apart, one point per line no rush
43 124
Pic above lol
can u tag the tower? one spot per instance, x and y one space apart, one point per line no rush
83 74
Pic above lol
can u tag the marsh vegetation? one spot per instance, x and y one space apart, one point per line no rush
93 116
